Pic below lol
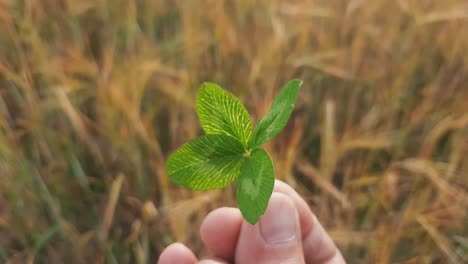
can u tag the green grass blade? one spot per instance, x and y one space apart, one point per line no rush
44 238
206 163
278 114
255 185
220 112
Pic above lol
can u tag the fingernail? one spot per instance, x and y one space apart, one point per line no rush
279 223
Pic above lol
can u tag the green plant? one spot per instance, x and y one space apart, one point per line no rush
231 150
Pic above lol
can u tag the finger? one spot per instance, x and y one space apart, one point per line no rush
276 238
317 245
177 253
220 232
305 215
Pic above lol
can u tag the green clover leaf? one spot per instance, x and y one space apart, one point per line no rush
277 117
220 112
206 163
255 185
230 149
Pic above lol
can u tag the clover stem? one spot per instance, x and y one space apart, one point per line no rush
247 153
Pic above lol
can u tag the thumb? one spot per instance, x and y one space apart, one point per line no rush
276 238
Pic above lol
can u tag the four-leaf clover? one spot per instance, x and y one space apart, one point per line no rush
230 149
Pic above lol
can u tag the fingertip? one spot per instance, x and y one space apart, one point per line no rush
276 238
220 231
317 244
306 217
177 253
280 223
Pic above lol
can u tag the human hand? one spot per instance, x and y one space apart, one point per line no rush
288 232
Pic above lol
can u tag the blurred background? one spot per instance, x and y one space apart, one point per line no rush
94 96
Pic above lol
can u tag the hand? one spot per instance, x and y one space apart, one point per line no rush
288 232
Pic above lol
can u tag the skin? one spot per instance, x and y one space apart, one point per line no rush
288 232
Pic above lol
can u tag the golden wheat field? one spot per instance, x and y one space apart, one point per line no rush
96 94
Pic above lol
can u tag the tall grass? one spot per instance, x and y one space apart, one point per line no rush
94 96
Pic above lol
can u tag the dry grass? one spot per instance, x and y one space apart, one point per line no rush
94 95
